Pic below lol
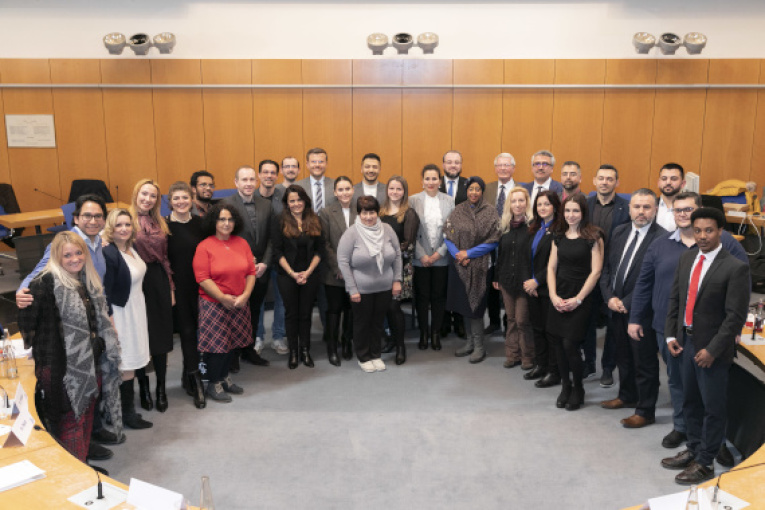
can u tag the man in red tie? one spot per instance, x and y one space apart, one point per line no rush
707 309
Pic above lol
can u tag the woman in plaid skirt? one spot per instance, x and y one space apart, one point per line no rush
224 267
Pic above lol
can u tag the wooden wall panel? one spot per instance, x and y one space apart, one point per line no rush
628 123
5 173
229 141
178 120
678 121
129 123
377 116
278 114
757 173
578 116
426 118
80 133
31 168
729 157
477 118
527 115
328 115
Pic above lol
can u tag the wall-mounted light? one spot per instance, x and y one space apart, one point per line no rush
669 43
140 43
643 42
115 43
427 41
402 42
694 42
164 42
377 42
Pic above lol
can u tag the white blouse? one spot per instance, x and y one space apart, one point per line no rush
433 220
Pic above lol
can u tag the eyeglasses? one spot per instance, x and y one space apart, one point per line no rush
226 220
684 210
205 185
89 217
540 164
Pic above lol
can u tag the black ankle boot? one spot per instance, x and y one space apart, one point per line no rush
305 356
293 361
144 391
565 393
576 399
435 342
347 337
390 344
161 396
198 389
423 340
130 418
400 353
332 332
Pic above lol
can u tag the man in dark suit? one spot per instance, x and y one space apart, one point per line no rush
637 359
707 309
369 185
453 183
542 166
256 216
607 210
320 188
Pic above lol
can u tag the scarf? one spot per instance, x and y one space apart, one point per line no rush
80 380
467 227
373 239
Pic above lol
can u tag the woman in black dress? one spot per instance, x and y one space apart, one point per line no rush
405 223
185 235
576 259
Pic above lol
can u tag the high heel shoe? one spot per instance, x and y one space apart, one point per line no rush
293 361
400 354
144 392
565 393
435 342
423 340
161 396
198 389
305 355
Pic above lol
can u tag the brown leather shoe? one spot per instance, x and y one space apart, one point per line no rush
695 474
616 403
637 422
680 461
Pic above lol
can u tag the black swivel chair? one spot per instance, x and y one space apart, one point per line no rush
87 186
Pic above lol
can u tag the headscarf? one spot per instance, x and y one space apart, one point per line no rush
373 239
476 179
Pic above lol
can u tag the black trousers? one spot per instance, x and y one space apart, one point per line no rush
218 364
338 300
638 364
545 353
256 301
493 299
429 293
298 307
185 320
368 317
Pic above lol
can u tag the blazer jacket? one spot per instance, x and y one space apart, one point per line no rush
423 245
287 247
275 200
117 280
460 194
555 187
620 216
329 189
539 260
722 303
257 235
332 229
617 244
358 191
492 188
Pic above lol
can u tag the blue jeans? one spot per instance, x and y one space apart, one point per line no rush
675 381
277 327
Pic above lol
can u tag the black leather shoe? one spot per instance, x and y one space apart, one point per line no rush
724 456
548 381
435 342
98 452
607 378
680 461
565 394
576 399
423 341
535 373
144 392
136 421
305 356
390 345
333 358
198 388
400 354
673 439
695 474
251 355
293 361
103 436
161 397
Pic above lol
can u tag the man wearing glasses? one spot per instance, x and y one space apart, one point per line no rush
542 165
203 184
651 295
290 172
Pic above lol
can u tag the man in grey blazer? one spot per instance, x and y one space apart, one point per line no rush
320 188
369 185
256 217
542 166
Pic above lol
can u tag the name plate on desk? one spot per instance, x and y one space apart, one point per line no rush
20 401
20 430
146 496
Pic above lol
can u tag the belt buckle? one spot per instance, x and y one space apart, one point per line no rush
689 330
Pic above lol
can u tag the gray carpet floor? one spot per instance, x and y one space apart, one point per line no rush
436 432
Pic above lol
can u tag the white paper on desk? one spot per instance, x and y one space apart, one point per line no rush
678 500
747 339
19 350
146 496
726 499
18 474
113 496
4 429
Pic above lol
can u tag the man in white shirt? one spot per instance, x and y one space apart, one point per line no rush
671 182
542 166
453 184
320 188
369 185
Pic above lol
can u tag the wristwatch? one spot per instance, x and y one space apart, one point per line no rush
578 302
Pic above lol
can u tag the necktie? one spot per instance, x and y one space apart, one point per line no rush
501 200
451 188
693 290
624 265
319 198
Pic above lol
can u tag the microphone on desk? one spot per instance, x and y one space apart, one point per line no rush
100 487
49 195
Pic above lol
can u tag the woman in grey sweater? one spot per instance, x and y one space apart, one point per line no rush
369 257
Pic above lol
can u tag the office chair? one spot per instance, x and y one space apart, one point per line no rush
87 186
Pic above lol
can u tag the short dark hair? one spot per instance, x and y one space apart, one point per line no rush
645 192
316 150
210 220
371 155
708 213
674 166
685 195
609 167
433 167
367 203
90 197
572 163
341 179
199 173
268 162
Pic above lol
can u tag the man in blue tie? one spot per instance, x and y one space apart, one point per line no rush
453 183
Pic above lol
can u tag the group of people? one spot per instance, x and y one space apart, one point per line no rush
97 307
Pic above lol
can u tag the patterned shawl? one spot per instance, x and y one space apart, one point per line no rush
467 227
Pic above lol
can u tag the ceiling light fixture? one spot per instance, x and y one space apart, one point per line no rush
427 41
694 42
669 43
402 42
377 42
140 44
643 42
165 42
115 43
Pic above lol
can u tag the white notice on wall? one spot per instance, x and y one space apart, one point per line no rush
30 130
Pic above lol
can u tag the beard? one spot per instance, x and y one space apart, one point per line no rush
671 193
570 186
